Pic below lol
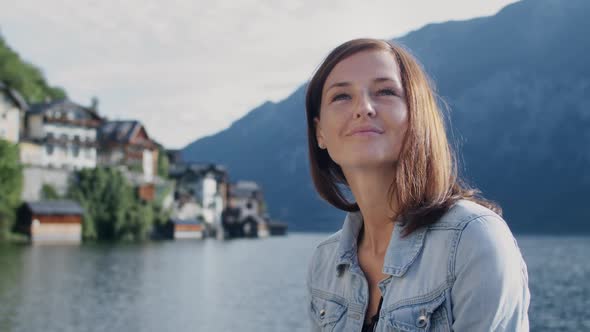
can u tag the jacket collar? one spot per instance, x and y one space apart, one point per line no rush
401 252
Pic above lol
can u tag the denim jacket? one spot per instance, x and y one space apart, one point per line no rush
463 273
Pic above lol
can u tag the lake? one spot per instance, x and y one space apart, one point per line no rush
238 285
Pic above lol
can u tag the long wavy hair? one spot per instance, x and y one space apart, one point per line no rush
426 183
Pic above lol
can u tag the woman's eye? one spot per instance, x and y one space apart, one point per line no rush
386 92
341 96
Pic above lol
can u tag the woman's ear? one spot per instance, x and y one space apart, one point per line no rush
318 134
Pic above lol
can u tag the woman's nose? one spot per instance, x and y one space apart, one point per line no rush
364 107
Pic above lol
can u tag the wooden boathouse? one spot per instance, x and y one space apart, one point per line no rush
177 229
51 221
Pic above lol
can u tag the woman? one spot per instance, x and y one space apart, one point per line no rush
417 251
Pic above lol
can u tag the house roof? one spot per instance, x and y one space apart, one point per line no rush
119 131
178 170
62 105
246 185
244 189
15 96
55 207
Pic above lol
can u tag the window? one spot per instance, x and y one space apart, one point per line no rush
75 150
49 149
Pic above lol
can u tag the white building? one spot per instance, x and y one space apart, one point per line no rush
205 184
12 108
60 134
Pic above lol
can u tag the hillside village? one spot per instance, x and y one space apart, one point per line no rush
58 138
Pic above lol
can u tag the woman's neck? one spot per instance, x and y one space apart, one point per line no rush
371 191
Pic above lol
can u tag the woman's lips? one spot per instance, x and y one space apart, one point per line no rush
365 131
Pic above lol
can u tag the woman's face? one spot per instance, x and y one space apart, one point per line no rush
363 113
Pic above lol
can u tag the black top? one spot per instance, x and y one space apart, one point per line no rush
369 327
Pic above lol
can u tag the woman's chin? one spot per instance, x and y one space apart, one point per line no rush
369 161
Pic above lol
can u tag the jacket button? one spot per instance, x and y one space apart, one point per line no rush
421 321
322 314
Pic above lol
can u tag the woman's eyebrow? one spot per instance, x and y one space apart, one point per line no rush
396 83
338 84
345 84
384 79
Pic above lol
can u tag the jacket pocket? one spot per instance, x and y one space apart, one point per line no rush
429 315
326 312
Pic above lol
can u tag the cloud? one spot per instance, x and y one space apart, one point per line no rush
189 68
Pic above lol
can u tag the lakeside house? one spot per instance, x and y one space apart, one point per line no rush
174 156
201 192
128 143
244 215
252 220
235 225
51 221
12 109
180 229
57 138
60 134
227 210
247 196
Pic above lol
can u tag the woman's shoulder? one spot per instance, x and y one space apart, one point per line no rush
327 248
332 239
491 278
481 234
325 257
477 230
464 212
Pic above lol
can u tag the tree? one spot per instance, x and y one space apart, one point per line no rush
113 212
139 221
105 196
163 162
11 183
48 192
25 77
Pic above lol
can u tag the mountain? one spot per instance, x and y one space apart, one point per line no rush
518 87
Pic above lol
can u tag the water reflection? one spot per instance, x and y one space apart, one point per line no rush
242 285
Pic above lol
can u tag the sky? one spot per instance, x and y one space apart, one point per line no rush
187 69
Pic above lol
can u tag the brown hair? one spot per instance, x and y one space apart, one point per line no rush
426 183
